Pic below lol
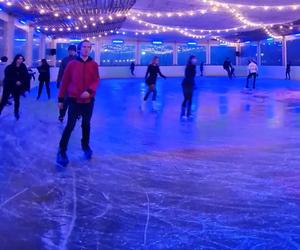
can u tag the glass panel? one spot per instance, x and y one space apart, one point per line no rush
117 54
293 48
62 51
185 51
36 50
164 52
248 52
20 38
2 25
271 52
220 53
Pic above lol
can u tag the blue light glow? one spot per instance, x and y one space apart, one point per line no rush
157 42
118 41
20 39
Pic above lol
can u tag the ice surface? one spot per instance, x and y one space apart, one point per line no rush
229 179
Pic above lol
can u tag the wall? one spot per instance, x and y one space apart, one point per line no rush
276 72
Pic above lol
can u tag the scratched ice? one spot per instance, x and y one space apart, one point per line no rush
229 179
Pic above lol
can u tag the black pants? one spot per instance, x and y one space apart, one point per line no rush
63 111
78 109
132 71
151 89
288 75
254 79
41 85
7 91
229 73
187 102
232 72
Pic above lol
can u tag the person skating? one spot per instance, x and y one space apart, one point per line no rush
201 68
44 78
288 72
79 84
71 56
253 70
151 77
3 62
227 67
15 77
132 67
188 84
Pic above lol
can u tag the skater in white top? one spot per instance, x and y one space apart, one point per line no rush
253 70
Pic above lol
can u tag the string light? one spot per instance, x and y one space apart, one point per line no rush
269 33
241 18
228 43
188 13
252 7
172 28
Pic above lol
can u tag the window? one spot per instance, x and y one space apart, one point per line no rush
293 48
62 51
36 50
185 51
117 54
271 52
164 52
20 39
220 53
248 52
2 25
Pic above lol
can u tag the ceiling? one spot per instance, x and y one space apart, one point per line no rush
169 20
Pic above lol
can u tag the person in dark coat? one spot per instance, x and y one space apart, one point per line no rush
227 66
44 78
151 77
201 68
188 85
288 72
132 67
15 77
71 56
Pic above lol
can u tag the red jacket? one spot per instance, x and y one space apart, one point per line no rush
79 76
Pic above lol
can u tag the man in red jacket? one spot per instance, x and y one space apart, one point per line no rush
79 83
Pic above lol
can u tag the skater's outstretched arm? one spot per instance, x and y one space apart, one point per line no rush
159 72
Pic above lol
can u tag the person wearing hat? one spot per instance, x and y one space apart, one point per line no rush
71 56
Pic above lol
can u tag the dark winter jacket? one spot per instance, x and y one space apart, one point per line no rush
152 71
44 71
13 74
62 68
189 75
